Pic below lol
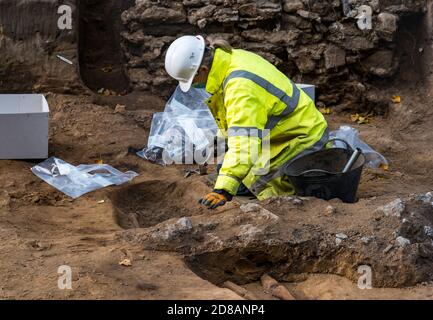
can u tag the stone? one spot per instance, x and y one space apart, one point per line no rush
426 198
120 109
387 26
309 15
339 238
381 64
279 38
334 57
171 231
151 14
305 64
402 242
297 202
202 23
342 236
259 10
388 248
358 43
330 210
291 6
375 5
428 231
366 239
393 209
251 207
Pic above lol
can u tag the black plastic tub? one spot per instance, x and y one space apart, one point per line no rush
320 175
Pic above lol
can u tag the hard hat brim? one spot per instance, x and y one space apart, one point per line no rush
186 85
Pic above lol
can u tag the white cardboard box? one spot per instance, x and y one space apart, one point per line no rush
309 89
23 126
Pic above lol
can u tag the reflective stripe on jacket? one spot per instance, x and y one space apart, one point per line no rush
250 95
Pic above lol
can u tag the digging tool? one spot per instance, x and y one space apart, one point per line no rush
352 160
65 60
275 288
244 293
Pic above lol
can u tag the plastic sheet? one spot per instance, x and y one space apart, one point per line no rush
184 130
351 136
77 181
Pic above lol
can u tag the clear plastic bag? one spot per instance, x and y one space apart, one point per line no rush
77 181
185 129
351 136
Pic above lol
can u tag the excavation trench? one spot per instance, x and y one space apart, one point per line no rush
283 237
102 63
289 251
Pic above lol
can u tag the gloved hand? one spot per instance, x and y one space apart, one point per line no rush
216 198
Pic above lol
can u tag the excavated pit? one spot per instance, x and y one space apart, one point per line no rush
149 203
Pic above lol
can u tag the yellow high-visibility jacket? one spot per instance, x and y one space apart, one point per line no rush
253 102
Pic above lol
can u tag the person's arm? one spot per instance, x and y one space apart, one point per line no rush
246 118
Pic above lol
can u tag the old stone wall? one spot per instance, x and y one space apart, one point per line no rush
330 43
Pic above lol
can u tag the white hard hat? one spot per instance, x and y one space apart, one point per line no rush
183 59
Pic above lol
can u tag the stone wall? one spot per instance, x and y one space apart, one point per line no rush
325 42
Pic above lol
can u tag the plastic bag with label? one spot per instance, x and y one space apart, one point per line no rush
185 129
77 181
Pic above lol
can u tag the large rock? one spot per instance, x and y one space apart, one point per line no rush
393 209
381 63
334 57
387 25
291 6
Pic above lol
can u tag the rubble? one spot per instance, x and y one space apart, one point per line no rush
428 231
426 198
330 210
173 230
251 207
340 237
402 242
366 240
120 109
394 208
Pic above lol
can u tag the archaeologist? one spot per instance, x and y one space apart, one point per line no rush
253 103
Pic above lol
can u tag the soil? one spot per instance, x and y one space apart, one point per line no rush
189 258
